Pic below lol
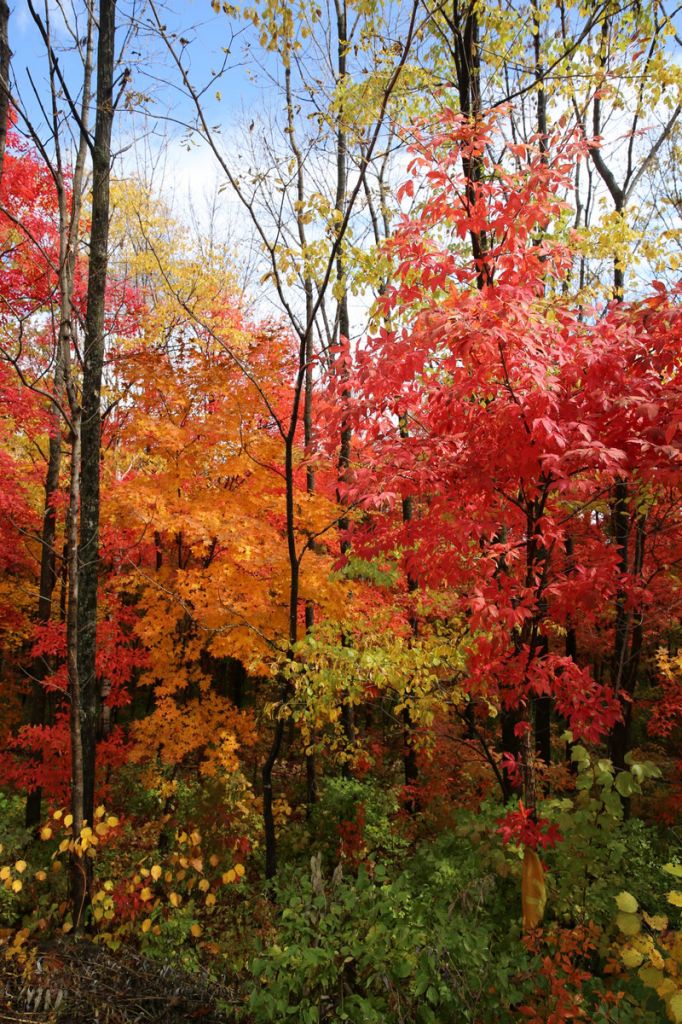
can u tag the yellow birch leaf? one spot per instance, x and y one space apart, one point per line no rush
651 976
658 922
631 957
675 1008
629 924
627 903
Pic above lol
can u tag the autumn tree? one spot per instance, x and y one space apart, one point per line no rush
518 396
75 403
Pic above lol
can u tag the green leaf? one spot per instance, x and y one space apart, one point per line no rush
579 754
625 784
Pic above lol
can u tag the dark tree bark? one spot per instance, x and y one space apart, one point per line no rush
93 359
48 580
5 58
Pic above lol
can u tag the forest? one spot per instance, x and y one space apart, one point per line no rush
340 512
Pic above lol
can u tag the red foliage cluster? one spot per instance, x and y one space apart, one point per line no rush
525 829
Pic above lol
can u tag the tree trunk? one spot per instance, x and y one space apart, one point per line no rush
93 358
48 580
5 57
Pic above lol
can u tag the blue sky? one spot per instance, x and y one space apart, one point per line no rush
152 70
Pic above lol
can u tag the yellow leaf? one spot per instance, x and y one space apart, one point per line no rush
156 872
146 894
631 957
174 899
658 922
675 1008
627 903
57 815
20 866
99 813
650 976
210 900
40 876
46 832
68 820
239 870
629 924
229 876
196 930
204 885
146 924
5 873
112 821
17 886
675 897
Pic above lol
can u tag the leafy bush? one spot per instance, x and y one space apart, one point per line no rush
427 946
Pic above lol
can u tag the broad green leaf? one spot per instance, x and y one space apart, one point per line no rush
625 784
